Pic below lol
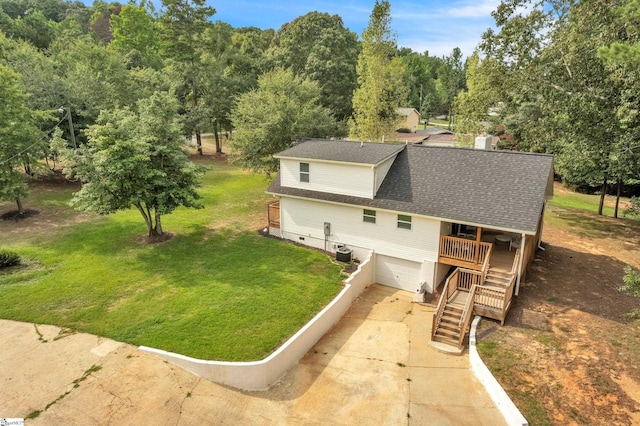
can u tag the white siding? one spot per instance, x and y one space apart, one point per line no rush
381 172
344 179
306 218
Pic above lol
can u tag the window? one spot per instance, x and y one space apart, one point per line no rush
369 216
404 221
304 172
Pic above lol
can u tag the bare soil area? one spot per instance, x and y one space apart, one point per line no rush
569 353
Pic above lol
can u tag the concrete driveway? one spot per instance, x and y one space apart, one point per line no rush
374 367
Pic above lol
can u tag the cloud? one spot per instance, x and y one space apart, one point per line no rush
473 9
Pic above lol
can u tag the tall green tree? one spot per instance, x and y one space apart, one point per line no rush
318 46
381 88
134 30
471 107
450 82
21 142
136 159
182 26
271 118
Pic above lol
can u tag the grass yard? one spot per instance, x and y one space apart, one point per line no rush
216 290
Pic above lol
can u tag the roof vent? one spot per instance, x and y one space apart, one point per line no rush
483 142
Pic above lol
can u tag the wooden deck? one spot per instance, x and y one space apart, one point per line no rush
463 252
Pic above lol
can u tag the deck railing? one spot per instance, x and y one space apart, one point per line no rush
274 214
450 286
467 278
463 250
465 319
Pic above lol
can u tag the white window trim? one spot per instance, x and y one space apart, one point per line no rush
404 224
371 216
306 173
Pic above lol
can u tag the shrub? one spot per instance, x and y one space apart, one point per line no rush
634 207
631 281
403 130
8 258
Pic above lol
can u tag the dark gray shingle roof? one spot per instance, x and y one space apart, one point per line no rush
500 189
344 151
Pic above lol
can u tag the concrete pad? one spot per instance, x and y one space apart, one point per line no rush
374 367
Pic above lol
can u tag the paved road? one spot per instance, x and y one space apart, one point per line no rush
374 368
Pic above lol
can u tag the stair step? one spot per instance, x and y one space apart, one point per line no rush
497 283
450 317
449 327
447 334
498 277
453 342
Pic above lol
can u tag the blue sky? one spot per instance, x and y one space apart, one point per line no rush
434 25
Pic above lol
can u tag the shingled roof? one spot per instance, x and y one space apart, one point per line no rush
499 189
344 151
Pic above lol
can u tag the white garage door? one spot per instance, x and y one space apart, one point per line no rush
398 273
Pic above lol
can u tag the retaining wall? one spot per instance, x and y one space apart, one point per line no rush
259 375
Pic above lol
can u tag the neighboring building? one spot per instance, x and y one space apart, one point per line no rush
421 209
410 118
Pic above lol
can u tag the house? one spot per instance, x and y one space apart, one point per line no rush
422 210
410 118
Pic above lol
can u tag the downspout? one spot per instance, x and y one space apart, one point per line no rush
541 226
522 240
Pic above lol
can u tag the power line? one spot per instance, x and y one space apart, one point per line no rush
32 145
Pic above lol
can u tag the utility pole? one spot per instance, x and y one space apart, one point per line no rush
73 134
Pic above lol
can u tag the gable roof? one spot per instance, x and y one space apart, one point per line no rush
406 111
499 189
370 153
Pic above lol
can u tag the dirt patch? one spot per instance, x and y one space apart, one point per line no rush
569 353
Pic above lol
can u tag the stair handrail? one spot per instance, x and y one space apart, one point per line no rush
516 260
465 318
437 315
485 264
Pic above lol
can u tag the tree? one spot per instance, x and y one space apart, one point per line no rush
134 29
182 26
471 107
270 119
318 46
136 159
381 89
21 142
560 95
450 81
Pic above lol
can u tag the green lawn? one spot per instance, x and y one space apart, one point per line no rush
578 212
217 290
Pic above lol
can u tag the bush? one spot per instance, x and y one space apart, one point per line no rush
631 281
634 207
403 130
8 258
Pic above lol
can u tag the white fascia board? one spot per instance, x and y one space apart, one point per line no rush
314 160
442 219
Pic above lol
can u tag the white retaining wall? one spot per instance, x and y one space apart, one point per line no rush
259 375
509 411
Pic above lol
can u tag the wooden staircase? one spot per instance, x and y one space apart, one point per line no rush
467 292
448 330
498 278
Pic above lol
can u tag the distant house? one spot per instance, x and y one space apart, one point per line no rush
421 209
410 117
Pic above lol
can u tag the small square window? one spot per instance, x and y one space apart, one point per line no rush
369 216
404 221
304 172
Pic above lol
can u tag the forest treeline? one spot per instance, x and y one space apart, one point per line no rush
559 77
